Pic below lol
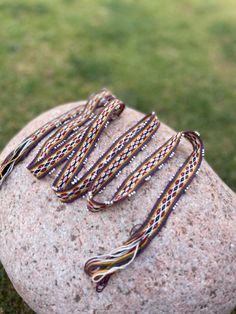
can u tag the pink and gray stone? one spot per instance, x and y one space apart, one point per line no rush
190 267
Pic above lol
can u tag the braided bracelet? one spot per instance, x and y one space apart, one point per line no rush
76 135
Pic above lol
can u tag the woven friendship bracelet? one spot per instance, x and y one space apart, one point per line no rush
76 135
76 148
135 180
78 115
100 268
85 117
113 160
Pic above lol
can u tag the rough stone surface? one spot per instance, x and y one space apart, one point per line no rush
188 268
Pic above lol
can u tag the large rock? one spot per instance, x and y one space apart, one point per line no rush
188 268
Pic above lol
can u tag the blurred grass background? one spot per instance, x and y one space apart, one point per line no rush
175 57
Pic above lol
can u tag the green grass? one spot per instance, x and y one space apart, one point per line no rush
175 57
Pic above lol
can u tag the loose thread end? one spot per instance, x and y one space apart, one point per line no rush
101 285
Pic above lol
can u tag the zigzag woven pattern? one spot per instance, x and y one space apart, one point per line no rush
18 154
113 160
100 268
76 135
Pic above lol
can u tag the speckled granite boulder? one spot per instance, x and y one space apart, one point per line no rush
188 268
